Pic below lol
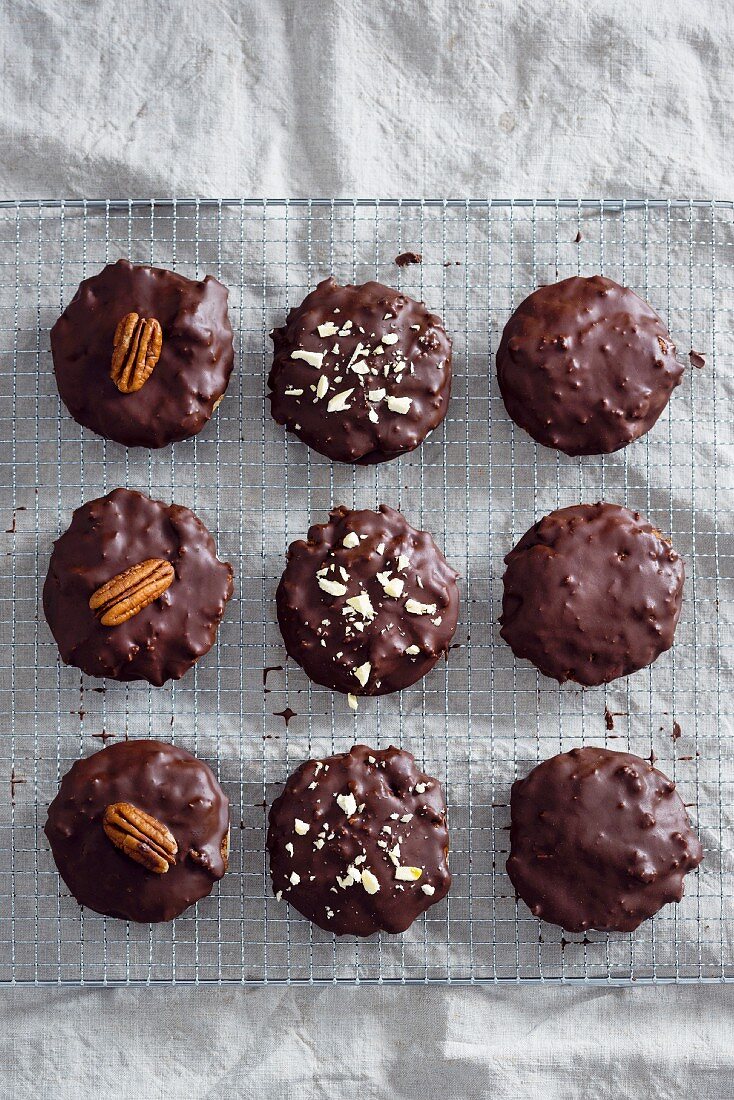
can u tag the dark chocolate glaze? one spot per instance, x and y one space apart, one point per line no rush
190 376
161 642
416 366
598 839
178 790
586 366
591 593
386 786
330 639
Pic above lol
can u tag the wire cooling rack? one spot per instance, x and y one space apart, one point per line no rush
477 721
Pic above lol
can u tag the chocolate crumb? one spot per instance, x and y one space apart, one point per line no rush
578 238
266 670
104 736
676 731
697 359
12 529
406 258
15 781
608 718
286 714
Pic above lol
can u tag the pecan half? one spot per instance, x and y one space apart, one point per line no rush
140 836
129 592
137 348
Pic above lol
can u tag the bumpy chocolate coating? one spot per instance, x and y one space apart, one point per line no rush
591 593
192 372
598 839
169 783
393 396
344 833
586 366
107 536
405 609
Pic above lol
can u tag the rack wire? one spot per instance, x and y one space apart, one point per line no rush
477 483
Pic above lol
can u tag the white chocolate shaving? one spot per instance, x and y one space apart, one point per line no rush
392 586
347 803
363 673
301 827
334 588
369 881
338 402
362 604
313 358
399 404
408 874
327 329
413 607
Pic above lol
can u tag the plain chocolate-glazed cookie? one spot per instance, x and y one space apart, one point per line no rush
586 366
367 604
598 839
361 373
358 842
591 592
134 589
139 830
182 388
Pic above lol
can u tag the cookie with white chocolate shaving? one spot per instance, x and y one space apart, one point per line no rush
361 373
367 605
358 842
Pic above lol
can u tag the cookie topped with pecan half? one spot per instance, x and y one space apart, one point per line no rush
135 590
140 830
143 355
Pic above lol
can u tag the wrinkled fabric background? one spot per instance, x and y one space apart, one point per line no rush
505 98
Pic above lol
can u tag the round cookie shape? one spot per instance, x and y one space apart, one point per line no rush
190 376
598 840
591 593
358 842
166 637
179 792
367 604
586 366
360 373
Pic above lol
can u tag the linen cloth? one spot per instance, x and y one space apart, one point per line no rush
135 99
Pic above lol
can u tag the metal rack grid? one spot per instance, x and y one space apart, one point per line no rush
477 484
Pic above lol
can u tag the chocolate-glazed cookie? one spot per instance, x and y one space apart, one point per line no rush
361 373
358 842
598 839
189 376
591 592
139 830
144 622
586 366
367 605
